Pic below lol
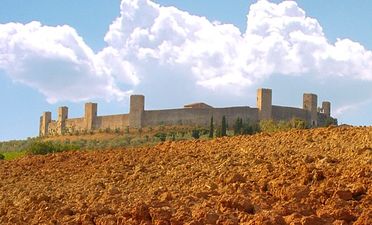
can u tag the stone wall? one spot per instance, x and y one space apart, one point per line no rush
288 113
75 124
112 122
199 117
53 127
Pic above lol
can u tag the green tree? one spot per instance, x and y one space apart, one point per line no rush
211 128
223 126
195 134
238 126
248 128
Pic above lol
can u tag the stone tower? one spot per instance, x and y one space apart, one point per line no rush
264 103
136 111
90 115
62 117
45 119
310 104
326 106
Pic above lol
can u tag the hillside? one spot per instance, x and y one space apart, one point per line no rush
318 176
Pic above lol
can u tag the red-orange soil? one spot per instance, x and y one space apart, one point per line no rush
319 176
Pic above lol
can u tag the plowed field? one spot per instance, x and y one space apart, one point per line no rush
319 176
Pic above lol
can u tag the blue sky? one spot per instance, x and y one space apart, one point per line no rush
338 32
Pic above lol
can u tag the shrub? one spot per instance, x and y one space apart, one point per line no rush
247 128
204 131
283 125
136 142
128 140
162 136
330 121
2 157
268 126
218 132
182 134
195 134
43 148
173 136
298 123
272 126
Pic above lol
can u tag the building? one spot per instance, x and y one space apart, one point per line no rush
197 114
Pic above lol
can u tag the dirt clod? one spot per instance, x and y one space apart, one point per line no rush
317 176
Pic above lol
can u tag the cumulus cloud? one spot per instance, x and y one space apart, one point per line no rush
287 41
56 62
147 40
280 39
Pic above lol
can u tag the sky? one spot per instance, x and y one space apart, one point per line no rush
65 53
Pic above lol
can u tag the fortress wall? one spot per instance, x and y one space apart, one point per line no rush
288 113
112 122
52 127
75 124
232 113
199 117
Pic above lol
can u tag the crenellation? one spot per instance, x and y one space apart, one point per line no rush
196 114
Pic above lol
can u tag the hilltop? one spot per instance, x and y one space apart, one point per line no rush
316 176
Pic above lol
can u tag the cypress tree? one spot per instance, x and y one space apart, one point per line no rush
211 128
238 126
223 127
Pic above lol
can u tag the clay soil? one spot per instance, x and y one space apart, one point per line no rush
319 176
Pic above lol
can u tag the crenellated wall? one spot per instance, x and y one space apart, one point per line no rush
287 113
192 114
112 122
198 117
75 124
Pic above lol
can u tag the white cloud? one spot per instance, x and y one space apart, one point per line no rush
147 40
56 62
280 39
